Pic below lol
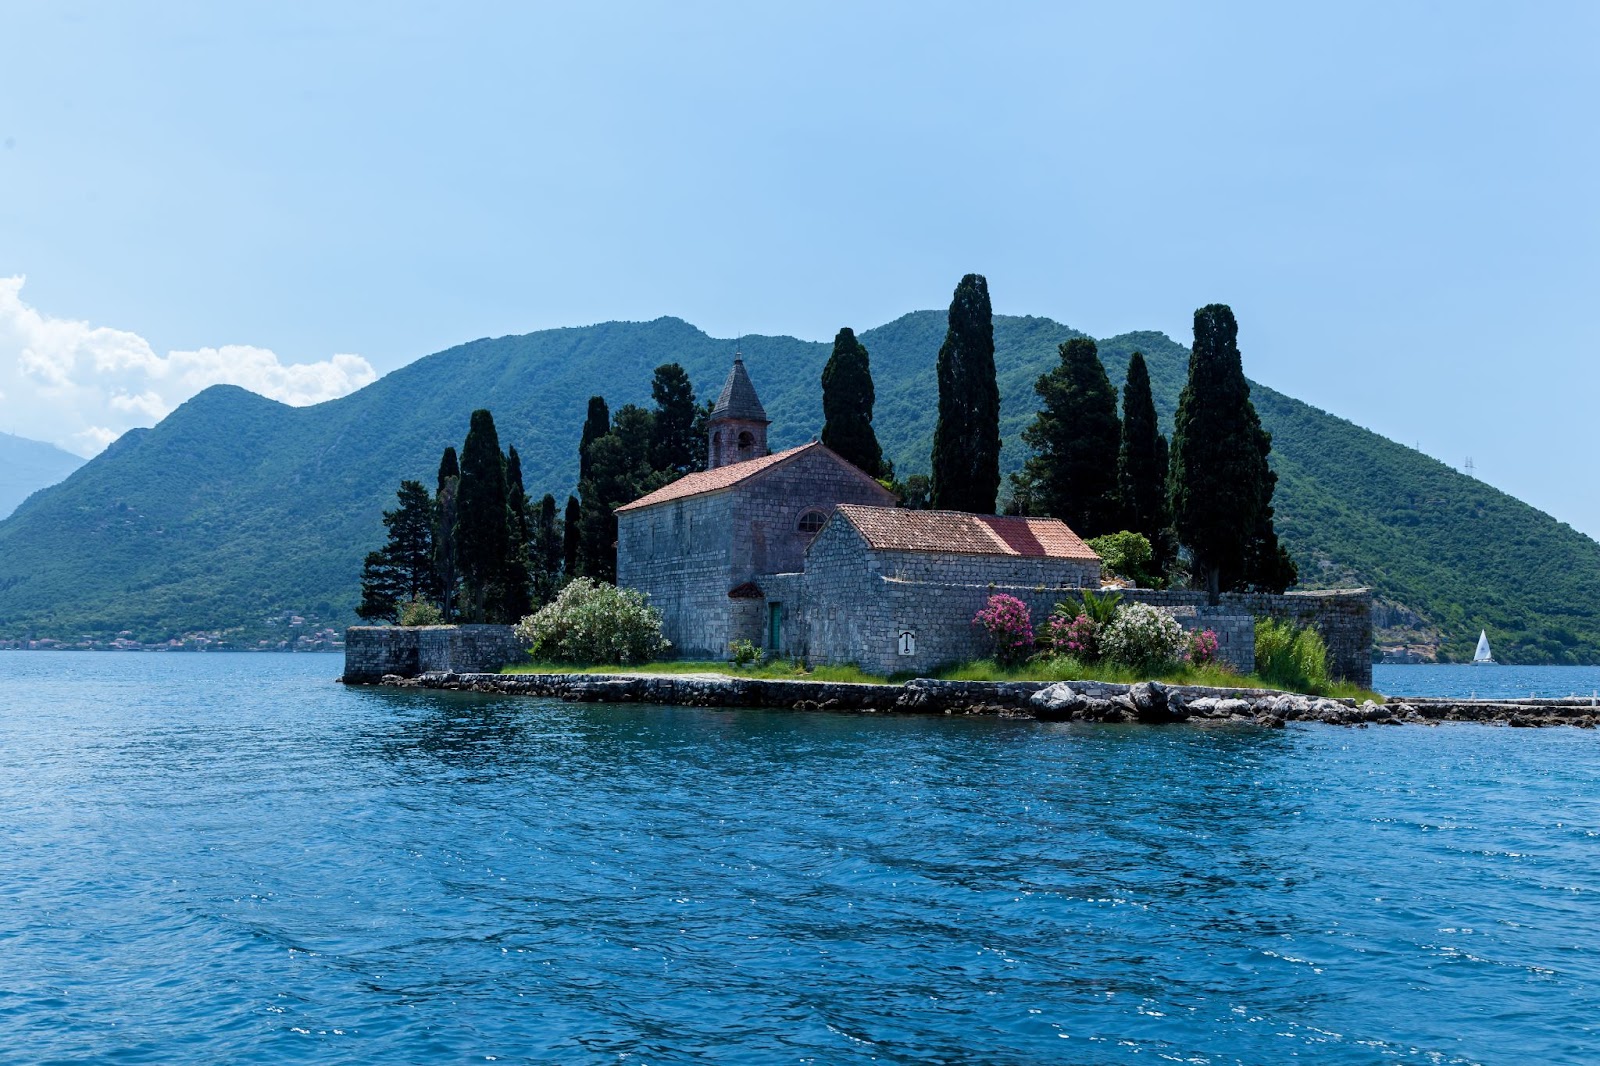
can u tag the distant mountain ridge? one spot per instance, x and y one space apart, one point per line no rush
239 512
26 466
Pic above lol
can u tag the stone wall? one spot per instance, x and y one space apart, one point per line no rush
679 553
1342 616
370 652
858 614
768 509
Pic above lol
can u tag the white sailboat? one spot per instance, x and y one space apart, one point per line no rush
1483 657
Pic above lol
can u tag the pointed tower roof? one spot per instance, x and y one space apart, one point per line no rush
738 398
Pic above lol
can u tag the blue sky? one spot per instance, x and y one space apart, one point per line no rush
1398 200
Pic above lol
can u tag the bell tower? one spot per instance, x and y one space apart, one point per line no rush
737 428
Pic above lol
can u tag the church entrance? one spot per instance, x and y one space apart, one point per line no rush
774 627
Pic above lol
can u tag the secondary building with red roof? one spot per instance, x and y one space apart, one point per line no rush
805 555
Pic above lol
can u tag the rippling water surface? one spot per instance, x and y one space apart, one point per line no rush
1466 681
210 858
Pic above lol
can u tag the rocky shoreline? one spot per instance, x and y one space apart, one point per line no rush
1079 701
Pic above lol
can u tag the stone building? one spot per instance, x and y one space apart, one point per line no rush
895 590
703 546
804 554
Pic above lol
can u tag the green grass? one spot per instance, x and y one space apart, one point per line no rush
979 670
1067 669
777 670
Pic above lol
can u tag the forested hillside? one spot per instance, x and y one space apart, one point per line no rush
239 513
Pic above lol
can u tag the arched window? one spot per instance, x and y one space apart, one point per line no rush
811 522
747 440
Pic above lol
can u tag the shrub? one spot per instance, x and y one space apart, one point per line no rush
1203 647
1101 609
1143 637
593 622
1009 626
745 652
420 613
1077 636
1291 657
1126 554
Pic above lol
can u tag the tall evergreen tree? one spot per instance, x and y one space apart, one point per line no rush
672 427
403 568
1072 473
1220 483
700 453
444 532
1142 467
572 539
966 440
847 400
596 424
619 473
482 530
545 558
516 597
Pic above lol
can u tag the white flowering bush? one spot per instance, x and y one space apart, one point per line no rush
593 622
1143 637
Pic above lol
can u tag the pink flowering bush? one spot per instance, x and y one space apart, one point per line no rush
1006 620
1203 647
1078 637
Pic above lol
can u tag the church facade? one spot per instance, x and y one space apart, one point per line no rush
805 555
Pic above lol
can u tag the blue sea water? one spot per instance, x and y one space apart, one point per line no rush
212 858
1465 681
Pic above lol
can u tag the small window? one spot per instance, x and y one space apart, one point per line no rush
810 522
747 440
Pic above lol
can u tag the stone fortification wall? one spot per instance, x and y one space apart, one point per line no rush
370 652
866 621
679 553
1342 616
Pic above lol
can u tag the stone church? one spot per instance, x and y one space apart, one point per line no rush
805 555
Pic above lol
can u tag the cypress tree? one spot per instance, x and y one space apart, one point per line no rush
700 451
545 558
619 473
1142 466
847 399
572 539
595 425
1220 484
672 428
516 596
1072 473
966 440
482 530
403 569
444 541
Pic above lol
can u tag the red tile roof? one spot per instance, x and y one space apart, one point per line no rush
896 529
722 477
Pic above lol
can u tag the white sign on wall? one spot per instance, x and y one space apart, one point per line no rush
908 642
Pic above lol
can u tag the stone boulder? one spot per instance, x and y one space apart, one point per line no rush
1058 701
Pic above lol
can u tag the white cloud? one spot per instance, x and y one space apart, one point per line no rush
81 386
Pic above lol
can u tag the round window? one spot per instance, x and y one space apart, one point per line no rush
810 522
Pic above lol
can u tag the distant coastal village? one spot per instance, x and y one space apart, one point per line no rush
689 538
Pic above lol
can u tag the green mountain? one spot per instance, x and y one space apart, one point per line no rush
26 466
238 513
